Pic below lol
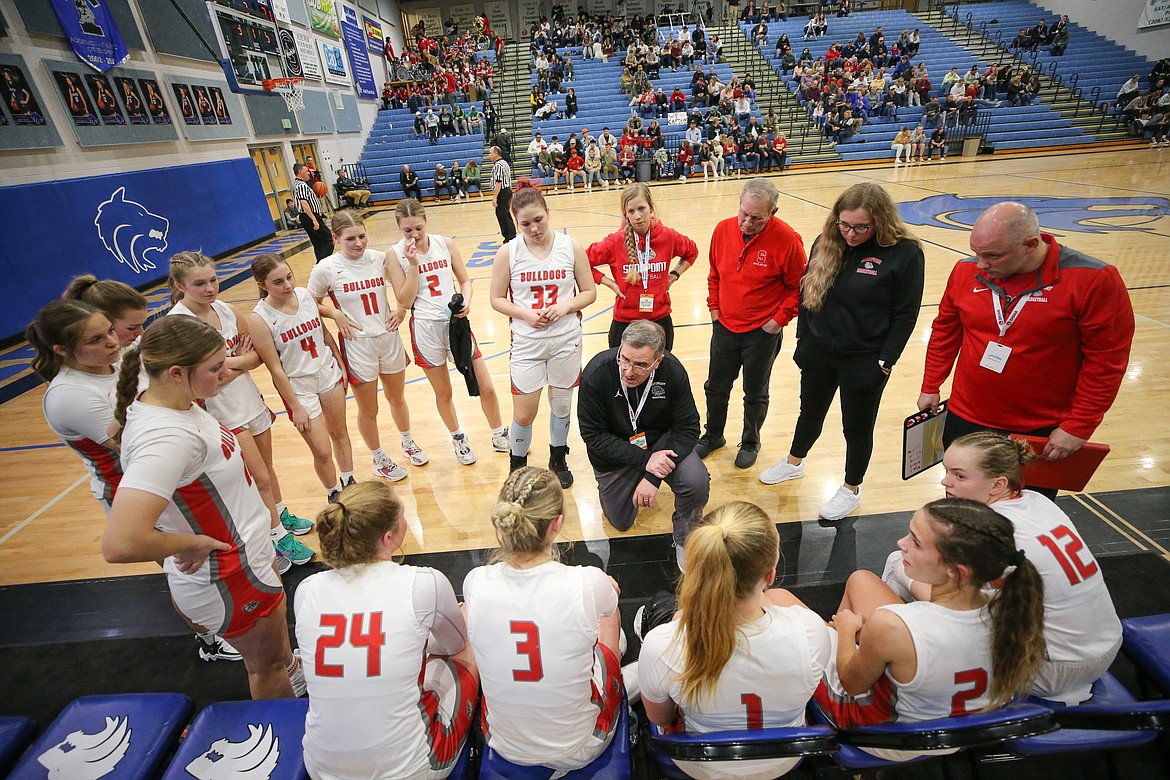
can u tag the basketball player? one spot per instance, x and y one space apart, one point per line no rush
122 304
303 360
546 636
238 405
433 267
350 287
184 472
392 682
541 279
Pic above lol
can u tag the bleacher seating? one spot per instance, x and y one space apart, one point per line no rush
263 737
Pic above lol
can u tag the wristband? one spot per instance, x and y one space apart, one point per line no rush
675 274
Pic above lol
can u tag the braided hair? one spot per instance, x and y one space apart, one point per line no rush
638 190
529 501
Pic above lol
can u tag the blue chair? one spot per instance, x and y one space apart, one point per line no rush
980 729
794 742
1146 642
254 734
612 764
15 735
123 737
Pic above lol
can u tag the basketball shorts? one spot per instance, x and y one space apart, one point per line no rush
368 358
553 361
258 424
1070 681
234 604
431 342
310 388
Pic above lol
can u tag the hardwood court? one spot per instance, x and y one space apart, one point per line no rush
51 526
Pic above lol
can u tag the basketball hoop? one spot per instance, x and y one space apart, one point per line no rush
291 89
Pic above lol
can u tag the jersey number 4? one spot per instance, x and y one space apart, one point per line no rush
544 296
528 646
309 344
1068 554
372 640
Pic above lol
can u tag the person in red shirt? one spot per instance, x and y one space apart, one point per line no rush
686 160
753 291
576 166
638 257
1038 336
626 162
678 100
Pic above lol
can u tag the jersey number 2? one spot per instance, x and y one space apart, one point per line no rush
529 646
372 640
433 287
1068 554
544 296
977 679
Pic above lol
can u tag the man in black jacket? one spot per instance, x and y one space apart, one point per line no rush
640 425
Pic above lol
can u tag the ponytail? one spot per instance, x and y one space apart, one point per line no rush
127 387
351 528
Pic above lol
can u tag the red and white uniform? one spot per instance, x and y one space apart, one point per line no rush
358 288
430 317
551 355
190 459
654 255
1081 627
378 708
778 661
79 408
304 353
238 404
550 690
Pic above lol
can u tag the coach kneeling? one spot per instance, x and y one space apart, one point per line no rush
640 425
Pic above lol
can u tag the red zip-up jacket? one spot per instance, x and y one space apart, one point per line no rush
1069 346
753 282
666 244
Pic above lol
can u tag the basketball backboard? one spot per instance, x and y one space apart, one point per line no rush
251 47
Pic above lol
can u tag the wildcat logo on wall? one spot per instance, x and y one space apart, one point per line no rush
130 231
1057 215
82 756
252 759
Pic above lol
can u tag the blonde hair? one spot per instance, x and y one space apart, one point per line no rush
826 259
409 207
351 527
345 218
638 190
181 263
529 501
112 297
727 555
998 455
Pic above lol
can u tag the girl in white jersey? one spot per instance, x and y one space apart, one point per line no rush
741 655
303 360
238 404
350 288
541 279
546 636
434 270
392 681
122 304
187 497
963 650
1081 627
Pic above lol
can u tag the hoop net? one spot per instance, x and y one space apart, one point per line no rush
291 89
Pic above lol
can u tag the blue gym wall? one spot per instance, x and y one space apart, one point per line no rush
54 230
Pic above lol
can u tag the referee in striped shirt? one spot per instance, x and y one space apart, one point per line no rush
312 216
502 193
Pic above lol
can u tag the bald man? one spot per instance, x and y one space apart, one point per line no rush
1041 334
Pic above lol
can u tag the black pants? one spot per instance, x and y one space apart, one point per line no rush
754 352
616 329
413 191
955 427
861 382
321 238
503 215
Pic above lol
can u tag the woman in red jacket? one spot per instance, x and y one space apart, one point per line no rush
639 257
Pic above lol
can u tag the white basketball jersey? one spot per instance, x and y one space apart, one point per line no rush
357 287
436 280
363 647
1080 623
537 284
299 337
79 407
192 460
239 401
953 648
533 632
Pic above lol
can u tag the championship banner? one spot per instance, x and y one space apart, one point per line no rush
359 58
374 37
1155 14
91 31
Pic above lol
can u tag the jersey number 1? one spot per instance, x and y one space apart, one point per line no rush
529 646
369 303
1068 554
372 640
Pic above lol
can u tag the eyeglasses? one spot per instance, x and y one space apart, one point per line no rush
637 368
845 227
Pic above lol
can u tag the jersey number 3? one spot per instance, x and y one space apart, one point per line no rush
372 640
528 646
544 296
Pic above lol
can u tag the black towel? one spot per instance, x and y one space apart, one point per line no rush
462 346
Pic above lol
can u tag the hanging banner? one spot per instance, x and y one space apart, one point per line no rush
1155 14
91 31
375 41
359 58
499 12
336 71
323 17
310 60
463 15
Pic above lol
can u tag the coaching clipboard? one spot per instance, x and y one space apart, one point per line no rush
1071 473
922 444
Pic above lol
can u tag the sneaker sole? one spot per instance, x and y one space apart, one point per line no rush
842 516
421 462
298 530
393 476
212 657
788 478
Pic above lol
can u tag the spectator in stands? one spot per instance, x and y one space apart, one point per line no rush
593 165
560 164
780 151
760 33
292 215
844 7
917 145
432 124
356 191
609 167
446 123
1157 126
627 81
901 144
686 160
420 126
443 183
571 104
576 167
535 147
471 175
457 180
409 181
1129 90
1015 91
938 140
626 159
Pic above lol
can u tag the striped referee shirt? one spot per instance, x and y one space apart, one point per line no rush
502 174
302 191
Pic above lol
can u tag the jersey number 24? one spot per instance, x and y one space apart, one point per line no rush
371 638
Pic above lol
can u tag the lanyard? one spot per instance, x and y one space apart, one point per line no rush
643 261
636 413
1012 315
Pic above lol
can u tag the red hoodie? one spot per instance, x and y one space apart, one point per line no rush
665 245
753 282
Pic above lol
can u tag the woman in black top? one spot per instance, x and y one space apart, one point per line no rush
859 302
571 104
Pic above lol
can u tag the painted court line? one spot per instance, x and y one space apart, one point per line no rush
43 509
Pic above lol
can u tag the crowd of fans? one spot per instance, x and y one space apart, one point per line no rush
1148 109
